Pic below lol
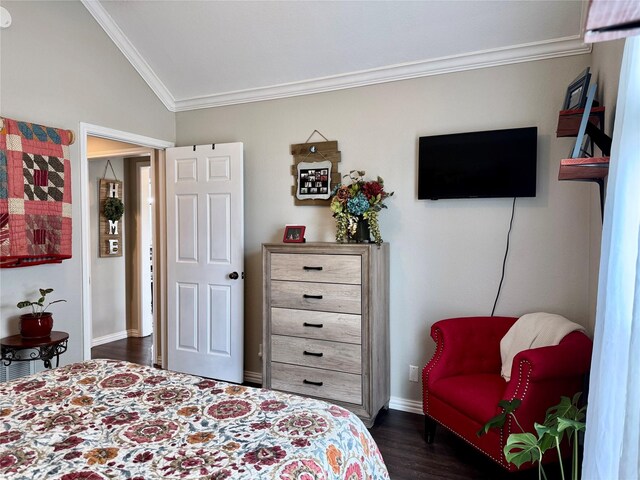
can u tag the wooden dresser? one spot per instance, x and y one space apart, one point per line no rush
326 323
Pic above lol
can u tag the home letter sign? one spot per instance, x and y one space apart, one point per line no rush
110 234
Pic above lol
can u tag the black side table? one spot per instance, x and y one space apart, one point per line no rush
15 347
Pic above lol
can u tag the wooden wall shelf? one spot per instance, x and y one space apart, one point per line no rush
583 168
593 169
569 120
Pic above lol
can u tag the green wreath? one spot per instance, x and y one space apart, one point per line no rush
113 209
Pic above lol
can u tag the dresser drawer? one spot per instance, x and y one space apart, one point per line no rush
341 357
316 268
325 297
345 387
339 327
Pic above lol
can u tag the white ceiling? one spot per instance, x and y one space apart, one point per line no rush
198 54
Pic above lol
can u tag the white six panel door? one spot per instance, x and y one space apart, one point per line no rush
205 261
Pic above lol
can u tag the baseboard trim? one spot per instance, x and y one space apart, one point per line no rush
112 337
406 405
253 377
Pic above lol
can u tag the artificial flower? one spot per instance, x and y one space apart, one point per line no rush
356 201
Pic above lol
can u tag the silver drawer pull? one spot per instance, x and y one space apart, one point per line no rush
309 382
316 325
313 354
317 297
312 268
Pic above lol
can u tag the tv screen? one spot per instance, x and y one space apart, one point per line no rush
495 163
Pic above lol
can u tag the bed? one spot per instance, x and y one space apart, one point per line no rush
107 419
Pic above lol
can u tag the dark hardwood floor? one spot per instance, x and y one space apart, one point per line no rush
399 436
132 349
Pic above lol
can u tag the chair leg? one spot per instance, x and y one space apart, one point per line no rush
429 429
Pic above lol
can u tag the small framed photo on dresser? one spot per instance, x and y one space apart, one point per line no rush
294 234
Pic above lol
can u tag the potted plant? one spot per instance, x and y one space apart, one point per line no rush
39 322
566 418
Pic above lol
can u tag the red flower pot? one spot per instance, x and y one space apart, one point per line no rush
32 326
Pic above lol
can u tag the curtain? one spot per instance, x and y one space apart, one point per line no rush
613 418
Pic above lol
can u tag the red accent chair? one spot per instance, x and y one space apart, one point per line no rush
462 384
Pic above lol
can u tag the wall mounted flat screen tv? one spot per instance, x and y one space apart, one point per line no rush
495 163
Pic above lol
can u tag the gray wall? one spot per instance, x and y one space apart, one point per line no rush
446 256
59 68
108 278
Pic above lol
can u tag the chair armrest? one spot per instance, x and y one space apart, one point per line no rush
540 376
570 358
466 345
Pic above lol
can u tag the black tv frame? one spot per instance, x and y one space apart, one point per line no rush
457 176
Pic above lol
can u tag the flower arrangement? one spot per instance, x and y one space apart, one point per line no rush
356 201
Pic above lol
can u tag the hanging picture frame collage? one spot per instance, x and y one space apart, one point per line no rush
315 171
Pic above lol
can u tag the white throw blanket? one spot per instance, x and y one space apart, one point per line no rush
533 330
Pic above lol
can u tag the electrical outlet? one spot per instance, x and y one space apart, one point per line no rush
260 350
413 373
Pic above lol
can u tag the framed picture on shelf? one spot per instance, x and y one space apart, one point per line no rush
576 95
293 234
581 142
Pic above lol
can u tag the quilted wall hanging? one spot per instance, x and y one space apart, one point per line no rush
35 194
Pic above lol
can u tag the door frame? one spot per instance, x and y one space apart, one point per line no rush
86 130
143 255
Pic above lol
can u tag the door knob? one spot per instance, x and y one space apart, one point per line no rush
233 275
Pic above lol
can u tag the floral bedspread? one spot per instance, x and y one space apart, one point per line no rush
106 419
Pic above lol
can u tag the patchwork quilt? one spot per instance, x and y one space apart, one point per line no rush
107 419
35 194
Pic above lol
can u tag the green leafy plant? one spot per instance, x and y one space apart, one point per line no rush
113 209
38 307
565 418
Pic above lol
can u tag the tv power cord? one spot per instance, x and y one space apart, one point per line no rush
504 260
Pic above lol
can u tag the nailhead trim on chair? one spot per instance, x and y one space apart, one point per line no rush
516 395
432 363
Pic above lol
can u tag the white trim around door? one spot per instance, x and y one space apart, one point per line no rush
87 129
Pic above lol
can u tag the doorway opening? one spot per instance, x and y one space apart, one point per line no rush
121 253
122 291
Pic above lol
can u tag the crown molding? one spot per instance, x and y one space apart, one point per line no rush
456 63
138 62
560 47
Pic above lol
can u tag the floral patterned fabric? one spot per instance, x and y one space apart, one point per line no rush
106 419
